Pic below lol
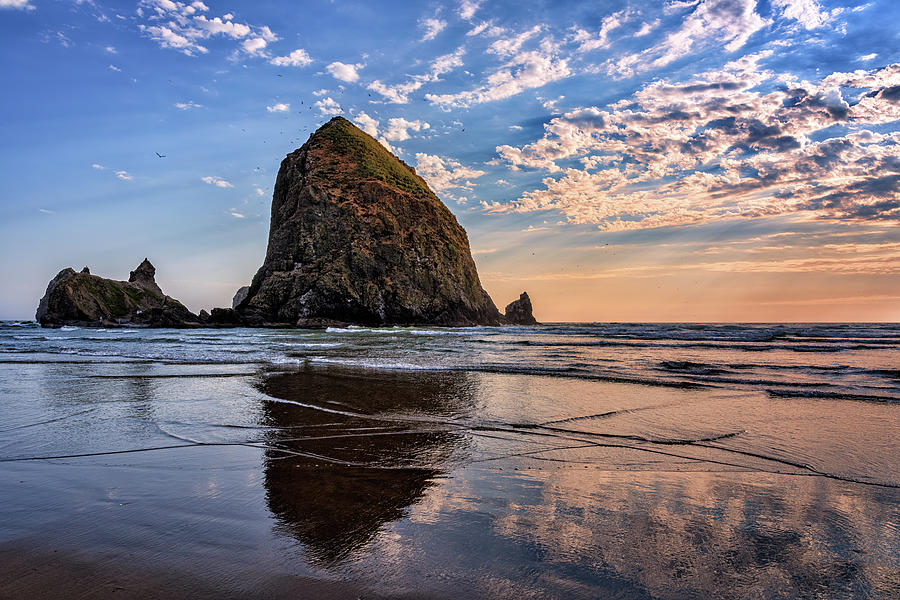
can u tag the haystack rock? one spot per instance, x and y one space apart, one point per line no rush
84 299
357 237
518 312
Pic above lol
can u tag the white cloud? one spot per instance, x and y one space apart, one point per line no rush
444 173
343 71
587 42
725 23
868 57
277 108
110 49
187 105
235 214
399 93
47 212
217 26
98 166
328 106
297 58
808 13
716 147
259 191
254 45
646 28
398 128
432 27
180 26
467 8
124 176
216 181
19 4
525 70
321 92
114 68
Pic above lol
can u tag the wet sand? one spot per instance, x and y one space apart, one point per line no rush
31 570
183 481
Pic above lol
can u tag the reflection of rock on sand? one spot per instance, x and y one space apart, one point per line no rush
364 460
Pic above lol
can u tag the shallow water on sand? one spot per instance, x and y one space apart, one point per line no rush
630 461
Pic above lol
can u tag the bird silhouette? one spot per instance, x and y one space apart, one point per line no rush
160 155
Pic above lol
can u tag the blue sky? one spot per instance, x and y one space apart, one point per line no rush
702 160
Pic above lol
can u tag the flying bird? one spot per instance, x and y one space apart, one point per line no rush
160 155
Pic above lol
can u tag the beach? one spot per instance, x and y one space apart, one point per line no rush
577 461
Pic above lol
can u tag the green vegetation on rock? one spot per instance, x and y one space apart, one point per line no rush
372 160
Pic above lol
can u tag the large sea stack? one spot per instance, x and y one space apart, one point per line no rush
357 237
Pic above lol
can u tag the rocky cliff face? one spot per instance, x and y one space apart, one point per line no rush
357 237
84 299
518 312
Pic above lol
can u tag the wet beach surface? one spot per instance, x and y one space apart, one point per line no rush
447 464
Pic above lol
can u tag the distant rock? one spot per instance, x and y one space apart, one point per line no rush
240 296
224 317
518 312
84 299
358 237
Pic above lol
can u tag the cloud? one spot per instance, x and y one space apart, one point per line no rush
484 251
588 43
467 8
432 27
216 181
328 106
47 212
532 228
725 23
18 4
181 26
99 167
399 93
521 70
254 45
297 58
235 214
343 71
110 49
719 147
187 105
398 128
280 107
124 176
258 191
444 173
806 12
868 57
646 28
114 68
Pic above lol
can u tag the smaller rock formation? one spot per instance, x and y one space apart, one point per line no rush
84 299
518 312
240 296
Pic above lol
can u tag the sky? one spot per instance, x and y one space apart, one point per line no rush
678 160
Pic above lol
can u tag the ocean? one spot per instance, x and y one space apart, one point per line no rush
621 460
